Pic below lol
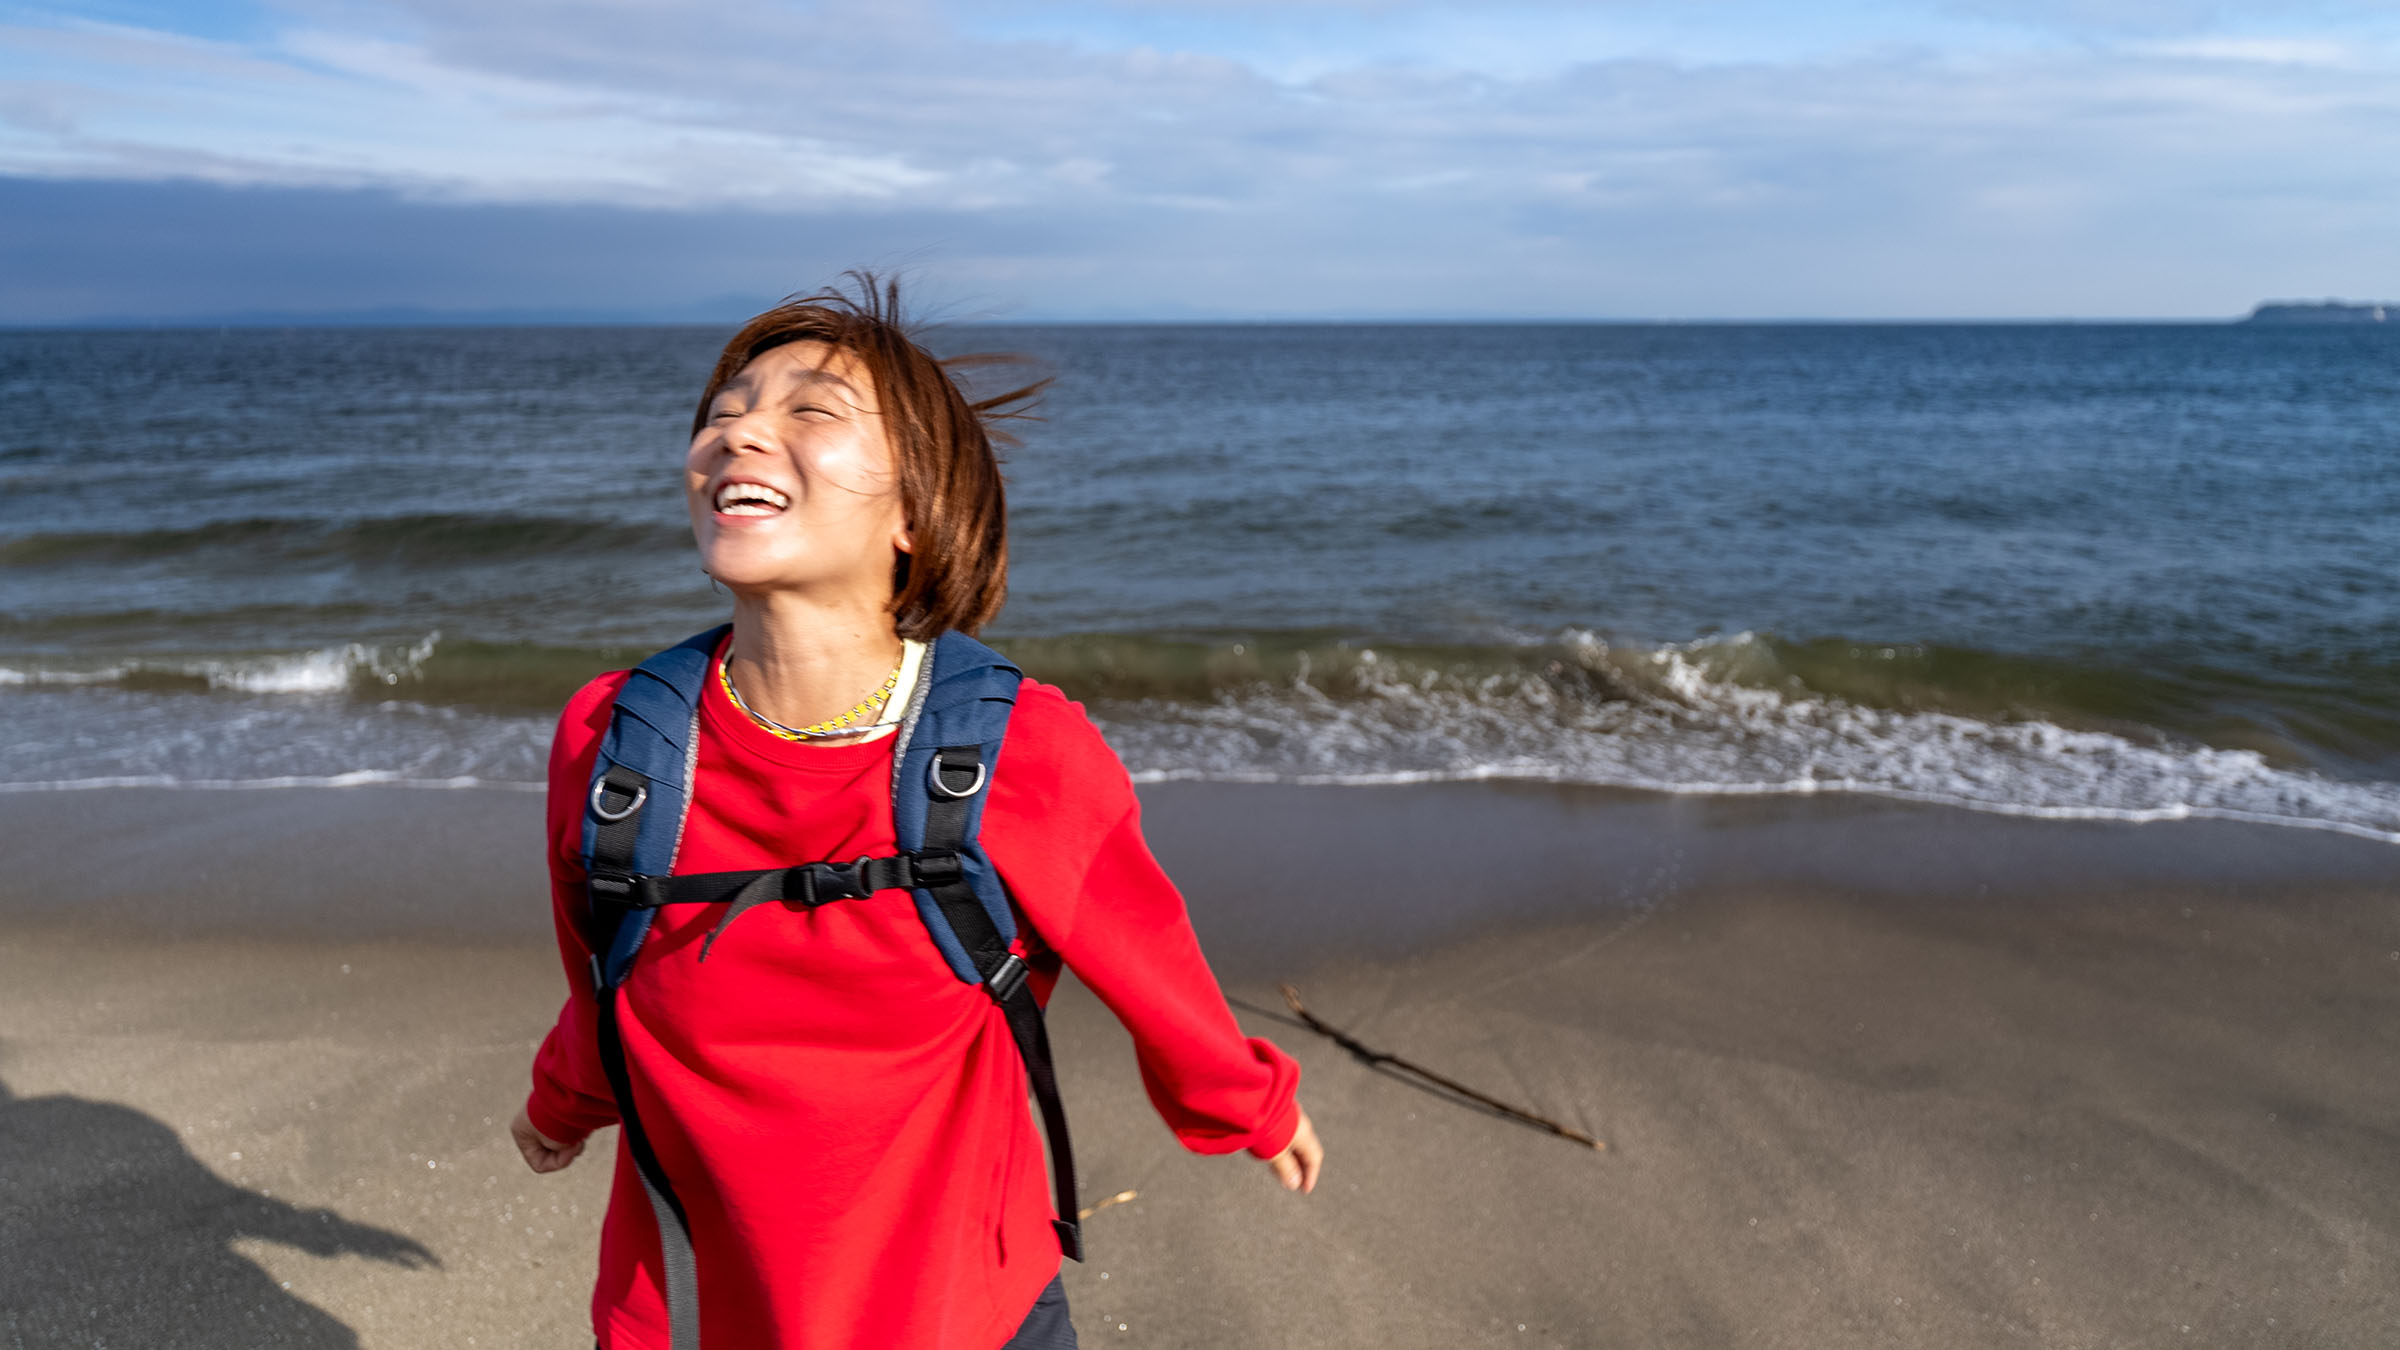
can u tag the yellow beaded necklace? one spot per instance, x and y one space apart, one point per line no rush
845 725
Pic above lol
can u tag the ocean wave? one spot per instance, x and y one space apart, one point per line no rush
324 670
435 538
63 736
1706 717
1738 714
352 779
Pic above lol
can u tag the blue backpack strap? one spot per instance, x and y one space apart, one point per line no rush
940 771
640 793
632 825
953 737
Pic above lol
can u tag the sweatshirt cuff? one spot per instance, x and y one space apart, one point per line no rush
1276 1135
553 1126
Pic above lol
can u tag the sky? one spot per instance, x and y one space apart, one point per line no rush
1196 159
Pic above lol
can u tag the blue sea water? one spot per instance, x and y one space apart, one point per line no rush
2122 571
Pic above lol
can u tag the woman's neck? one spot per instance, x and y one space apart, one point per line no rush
800 662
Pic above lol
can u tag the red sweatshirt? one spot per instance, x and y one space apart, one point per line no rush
843 1119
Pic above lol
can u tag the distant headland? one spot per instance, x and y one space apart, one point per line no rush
2322 311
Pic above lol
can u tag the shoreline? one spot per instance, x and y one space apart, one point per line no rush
1384 870
1869 1074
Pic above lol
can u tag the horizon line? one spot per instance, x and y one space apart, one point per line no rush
541 319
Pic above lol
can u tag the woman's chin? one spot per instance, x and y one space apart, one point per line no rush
744 575
746 581
738 563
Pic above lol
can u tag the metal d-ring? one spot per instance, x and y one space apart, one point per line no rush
641 793
933 776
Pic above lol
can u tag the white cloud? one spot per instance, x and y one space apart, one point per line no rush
2262 50
1780 182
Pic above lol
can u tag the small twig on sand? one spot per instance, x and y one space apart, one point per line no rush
1119 1198
1373 1056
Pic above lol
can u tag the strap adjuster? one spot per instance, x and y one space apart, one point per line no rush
614 887
938 867
1003 983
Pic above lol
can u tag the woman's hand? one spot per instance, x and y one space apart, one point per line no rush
544 1154
1296 1167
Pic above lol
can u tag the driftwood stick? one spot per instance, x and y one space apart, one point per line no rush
1371 1055
1119 1198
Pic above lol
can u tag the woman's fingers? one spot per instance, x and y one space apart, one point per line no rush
556 1158
1297 1166
542 1153
1309 1152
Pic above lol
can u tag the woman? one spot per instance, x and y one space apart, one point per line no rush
840 1118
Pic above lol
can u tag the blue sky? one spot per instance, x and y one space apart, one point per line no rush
1690 159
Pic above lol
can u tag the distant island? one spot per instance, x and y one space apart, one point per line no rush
2321 311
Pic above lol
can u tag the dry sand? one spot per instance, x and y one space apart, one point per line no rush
1870 1075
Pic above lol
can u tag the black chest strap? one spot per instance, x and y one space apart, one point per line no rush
805 884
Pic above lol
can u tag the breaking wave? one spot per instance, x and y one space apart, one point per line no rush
1739 714
1703 718
325 670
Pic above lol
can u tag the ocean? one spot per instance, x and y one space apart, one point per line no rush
2082 571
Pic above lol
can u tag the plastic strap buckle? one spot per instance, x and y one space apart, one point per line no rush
823 882
614 887
1004 982
937 868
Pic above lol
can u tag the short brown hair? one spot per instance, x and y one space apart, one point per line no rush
943 443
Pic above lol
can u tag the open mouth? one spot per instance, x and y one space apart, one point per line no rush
749 499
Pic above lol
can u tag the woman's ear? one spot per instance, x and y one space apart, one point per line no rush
903 540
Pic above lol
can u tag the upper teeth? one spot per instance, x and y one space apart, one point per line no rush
750 499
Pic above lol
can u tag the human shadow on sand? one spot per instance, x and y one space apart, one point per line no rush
112 1234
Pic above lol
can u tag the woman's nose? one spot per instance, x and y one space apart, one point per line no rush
748 434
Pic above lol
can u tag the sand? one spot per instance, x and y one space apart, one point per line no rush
1869 1075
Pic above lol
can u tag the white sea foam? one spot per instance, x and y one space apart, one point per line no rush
324 670
1681 727
61 738
356 778
10 675
1708 717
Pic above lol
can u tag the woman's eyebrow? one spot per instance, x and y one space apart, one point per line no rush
827 377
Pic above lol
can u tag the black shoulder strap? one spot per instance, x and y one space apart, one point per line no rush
958 774
618 806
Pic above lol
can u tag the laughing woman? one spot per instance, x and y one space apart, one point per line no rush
826 1141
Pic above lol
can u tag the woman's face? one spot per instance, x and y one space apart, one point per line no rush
792 482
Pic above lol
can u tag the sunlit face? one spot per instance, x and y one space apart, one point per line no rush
791 481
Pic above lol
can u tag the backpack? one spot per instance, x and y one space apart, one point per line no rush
942 759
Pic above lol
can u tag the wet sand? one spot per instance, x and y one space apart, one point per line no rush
1869 1075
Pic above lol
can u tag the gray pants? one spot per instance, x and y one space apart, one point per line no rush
1046 1327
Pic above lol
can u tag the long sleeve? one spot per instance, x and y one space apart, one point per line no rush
571 1096
844 1119
1064 828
